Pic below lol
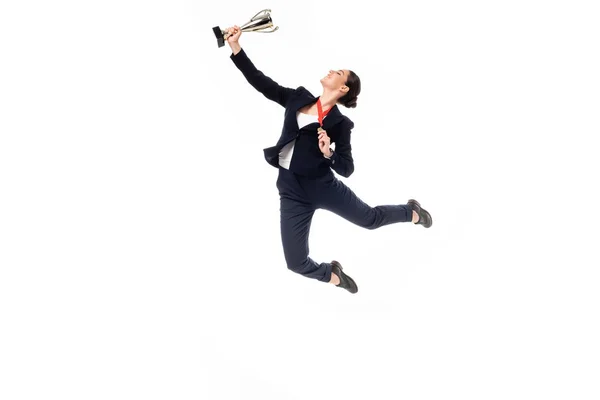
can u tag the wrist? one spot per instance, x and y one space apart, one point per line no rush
235 47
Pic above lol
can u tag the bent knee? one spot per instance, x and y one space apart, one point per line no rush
369 222
298 267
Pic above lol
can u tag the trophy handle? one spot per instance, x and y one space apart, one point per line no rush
273 29
260 12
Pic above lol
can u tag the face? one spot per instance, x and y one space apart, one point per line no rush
336 79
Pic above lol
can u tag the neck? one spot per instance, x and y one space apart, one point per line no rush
328 99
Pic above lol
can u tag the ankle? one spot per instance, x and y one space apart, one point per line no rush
415 217
335 280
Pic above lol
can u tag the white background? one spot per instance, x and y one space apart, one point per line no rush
140 249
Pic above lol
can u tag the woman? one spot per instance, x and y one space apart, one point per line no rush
305 162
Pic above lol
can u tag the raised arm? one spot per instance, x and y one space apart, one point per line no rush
265 85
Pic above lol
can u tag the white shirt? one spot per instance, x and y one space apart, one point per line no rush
285 155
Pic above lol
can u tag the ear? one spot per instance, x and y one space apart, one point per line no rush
345 89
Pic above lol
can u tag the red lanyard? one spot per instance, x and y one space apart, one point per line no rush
321 113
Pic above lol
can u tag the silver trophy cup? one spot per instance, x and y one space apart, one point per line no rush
261 22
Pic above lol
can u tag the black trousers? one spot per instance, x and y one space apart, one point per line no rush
301 196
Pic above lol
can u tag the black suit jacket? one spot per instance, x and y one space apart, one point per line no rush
307 159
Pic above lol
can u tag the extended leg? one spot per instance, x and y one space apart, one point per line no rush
341 200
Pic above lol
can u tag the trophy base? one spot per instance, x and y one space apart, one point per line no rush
219 35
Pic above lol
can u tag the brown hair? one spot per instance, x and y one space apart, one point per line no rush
349 99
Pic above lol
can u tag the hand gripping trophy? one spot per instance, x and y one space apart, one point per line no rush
259 23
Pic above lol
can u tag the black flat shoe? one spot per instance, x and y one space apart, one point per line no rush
424 216
345 281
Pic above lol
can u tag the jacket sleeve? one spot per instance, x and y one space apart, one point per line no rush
341 161
269 88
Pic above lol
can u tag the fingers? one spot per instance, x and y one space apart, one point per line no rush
323 140
233 33
324 143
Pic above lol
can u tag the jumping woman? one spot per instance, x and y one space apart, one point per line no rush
306 163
